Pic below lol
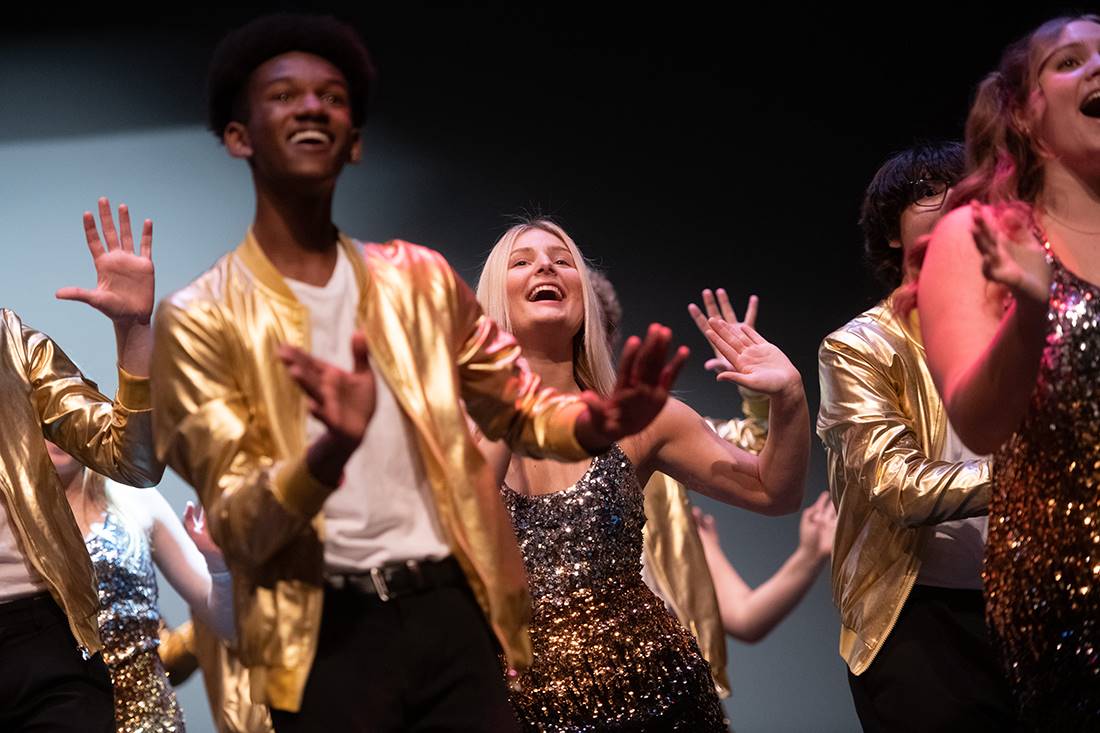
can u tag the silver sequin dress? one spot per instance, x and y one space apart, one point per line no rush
1042 572
608 656
128 626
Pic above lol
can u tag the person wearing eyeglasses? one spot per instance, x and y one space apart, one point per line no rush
911 500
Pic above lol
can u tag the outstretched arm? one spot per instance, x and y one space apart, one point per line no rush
750 614
683 446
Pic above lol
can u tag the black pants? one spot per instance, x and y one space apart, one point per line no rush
45 683
423 662
936 671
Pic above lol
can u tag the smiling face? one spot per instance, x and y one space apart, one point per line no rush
544 287
1064 108
299 126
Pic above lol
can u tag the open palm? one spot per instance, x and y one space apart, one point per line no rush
755 363
124 290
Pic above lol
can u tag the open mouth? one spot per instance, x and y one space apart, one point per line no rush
545 292
1091 106
311 138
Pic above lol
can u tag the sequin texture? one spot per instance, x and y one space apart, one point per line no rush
607 653
1042 574
128 626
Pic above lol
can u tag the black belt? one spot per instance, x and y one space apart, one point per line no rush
397 579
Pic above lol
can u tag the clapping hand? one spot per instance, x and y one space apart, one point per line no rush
1011 255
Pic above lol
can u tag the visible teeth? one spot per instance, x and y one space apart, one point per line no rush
312 136
545 289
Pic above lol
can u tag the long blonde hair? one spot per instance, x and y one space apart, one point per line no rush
593 366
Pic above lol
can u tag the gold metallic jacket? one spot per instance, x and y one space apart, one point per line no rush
674 553
231 422
880 419
44 394
226 680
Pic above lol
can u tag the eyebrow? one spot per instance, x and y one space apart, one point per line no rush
332 80
530 250
1077 45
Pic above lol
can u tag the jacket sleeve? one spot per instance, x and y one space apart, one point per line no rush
503 396
863 424
114 438
207 432
749 432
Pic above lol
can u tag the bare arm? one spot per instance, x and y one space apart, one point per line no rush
983 356
682 445
749 614
207 590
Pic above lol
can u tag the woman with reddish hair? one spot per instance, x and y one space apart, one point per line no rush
1010 308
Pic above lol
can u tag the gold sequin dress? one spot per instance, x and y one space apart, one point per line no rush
1042 574
129 626
608 656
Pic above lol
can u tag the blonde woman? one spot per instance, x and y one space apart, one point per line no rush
606 651
126 531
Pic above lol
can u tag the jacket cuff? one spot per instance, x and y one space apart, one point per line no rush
562 439
754 404
298 490
133 392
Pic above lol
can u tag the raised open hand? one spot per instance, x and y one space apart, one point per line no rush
720 308
194 522
342 400
1011 255
640 391
124 280
754 362
817 527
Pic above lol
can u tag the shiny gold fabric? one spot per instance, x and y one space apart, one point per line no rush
226 680
674 554
880 419
44 394
232 423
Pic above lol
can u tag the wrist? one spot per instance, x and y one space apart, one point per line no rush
593 441
808 557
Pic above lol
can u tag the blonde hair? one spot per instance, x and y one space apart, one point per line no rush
593 366
97 491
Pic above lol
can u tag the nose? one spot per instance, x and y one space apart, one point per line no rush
310 104
545 263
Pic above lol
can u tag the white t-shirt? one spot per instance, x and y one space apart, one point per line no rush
952 558
18 578
384 511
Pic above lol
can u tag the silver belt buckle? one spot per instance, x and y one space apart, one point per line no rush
379 579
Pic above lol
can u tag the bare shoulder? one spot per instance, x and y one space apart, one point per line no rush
952 239
149 503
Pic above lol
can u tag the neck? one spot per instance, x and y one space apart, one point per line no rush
295 231
552 360
1071 199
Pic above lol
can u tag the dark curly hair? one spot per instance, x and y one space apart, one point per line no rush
266 37
891 192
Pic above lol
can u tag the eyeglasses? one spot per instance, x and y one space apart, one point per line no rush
928 193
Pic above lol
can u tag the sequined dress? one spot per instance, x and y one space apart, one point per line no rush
128 626
608 656
1042 574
